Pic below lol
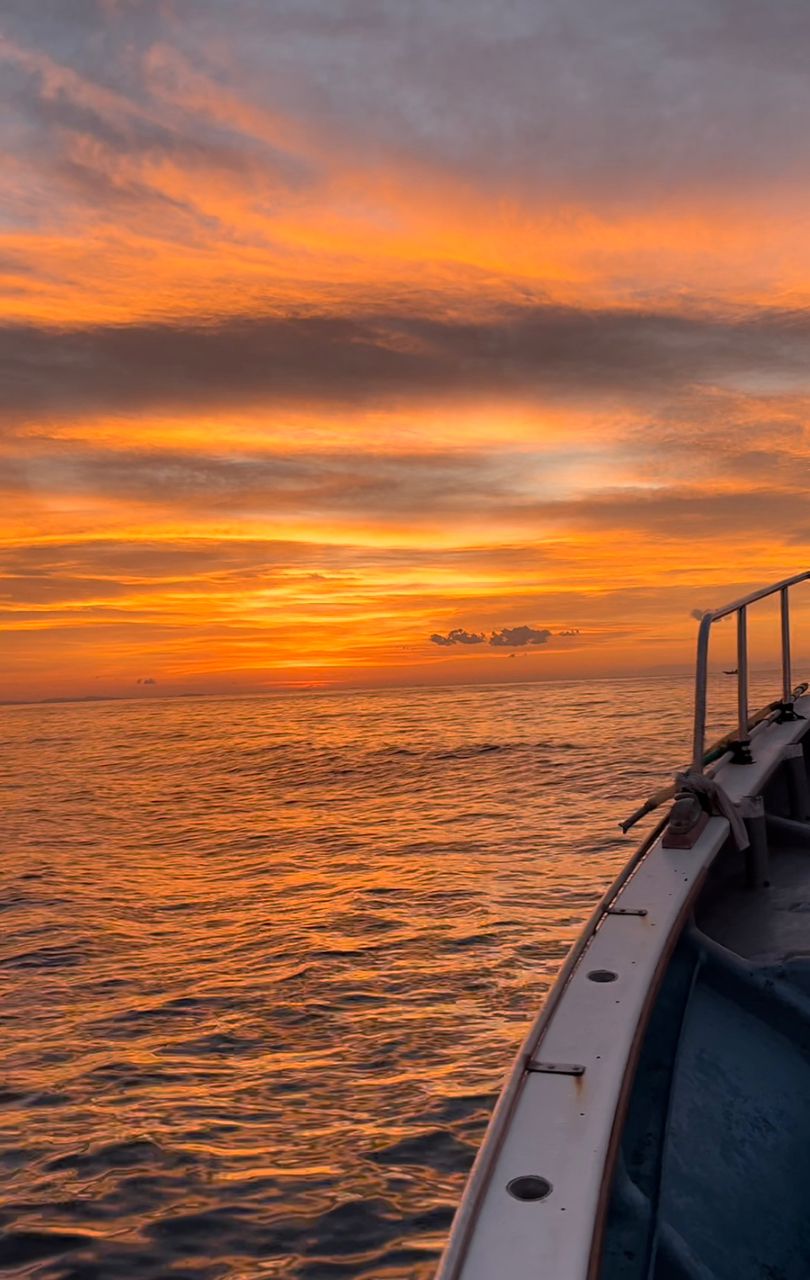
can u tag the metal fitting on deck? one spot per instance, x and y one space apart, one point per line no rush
785 711
687 819
740 749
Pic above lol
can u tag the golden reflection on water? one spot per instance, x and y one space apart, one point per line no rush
266 960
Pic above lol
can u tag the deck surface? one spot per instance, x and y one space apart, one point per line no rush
766 925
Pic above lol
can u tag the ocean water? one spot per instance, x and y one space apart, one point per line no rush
265 961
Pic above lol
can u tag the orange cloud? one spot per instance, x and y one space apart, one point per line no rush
291 388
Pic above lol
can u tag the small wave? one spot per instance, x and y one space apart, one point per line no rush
20 1247
479 749
46 958
435 1149
127 1154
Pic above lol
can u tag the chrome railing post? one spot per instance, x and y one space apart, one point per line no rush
739 749
742 673
787 678
740 607
701 671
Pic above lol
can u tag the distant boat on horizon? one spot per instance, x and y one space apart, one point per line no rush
733 672
656 1122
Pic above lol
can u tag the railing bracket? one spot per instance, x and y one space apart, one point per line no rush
785 711
740 749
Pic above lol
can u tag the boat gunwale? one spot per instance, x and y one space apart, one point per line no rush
487 1154
479 1181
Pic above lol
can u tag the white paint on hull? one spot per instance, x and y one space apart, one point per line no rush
562 1127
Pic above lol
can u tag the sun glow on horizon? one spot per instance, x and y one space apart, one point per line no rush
300 374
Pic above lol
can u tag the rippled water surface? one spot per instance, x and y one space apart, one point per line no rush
265 961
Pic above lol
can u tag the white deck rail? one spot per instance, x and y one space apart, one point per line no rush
740 607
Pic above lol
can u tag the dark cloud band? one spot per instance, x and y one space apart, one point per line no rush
531 352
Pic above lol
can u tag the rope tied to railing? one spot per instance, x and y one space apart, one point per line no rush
713 799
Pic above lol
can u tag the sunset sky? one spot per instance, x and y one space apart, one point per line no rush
396 341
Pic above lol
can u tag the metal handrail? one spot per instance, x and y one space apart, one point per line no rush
740 607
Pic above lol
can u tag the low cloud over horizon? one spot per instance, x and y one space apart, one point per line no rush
508 637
